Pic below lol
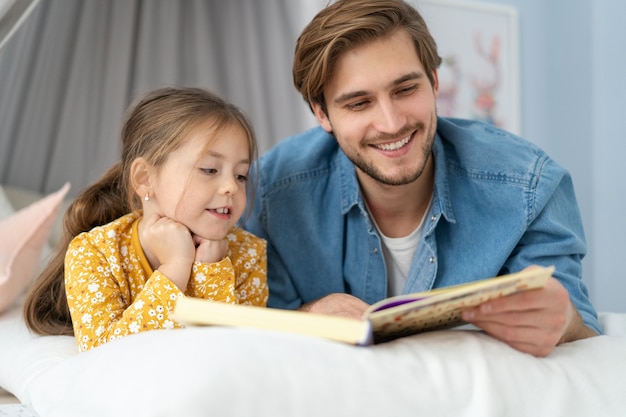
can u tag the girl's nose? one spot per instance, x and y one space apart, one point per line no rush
229 186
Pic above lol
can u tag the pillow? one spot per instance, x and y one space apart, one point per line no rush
25 355
195 372
235 372
24 234
20 197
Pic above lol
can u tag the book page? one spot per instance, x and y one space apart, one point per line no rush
198 312
410 314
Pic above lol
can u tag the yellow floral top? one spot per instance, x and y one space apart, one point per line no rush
112 291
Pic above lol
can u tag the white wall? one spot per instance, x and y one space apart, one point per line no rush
573 85
608 227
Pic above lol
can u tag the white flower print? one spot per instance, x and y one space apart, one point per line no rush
86 318
133 327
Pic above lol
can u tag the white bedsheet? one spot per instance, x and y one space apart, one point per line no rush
17 410
240 372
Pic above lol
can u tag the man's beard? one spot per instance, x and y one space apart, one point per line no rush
408 177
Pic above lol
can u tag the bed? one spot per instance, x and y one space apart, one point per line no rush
238 372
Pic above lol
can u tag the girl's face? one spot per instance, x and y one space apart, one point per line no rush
204 187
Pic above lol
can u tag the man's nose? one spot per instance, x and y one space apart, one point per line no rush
389 118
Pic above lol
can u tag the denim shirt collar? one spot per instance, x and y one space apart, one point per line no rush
442 202
351 192
349 184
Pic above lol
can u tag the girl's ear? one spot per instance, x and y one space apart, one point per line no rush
140 177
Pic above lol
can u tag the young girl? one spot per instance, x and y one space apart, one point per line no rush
158 225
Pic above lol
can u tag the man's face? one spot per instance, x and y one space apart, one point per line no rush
381 109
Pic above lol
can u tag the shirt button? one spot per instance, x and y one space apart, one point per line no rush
434 218
375 250
431 259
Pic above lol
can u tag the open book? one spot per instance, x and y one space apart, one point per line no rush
386 320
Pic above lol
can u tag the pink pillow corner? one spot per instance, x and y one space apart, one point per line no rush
24 234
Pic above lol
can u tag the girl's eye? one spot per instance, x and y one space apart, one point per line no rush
208 170
241 178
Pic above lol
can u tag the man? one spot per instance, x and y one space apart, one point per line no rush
386 198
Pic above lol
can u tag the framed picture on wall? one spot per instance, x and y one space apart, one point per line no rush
479 45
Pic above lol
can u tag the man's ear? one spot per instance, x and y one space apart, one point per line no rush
435 84
140 177
321 117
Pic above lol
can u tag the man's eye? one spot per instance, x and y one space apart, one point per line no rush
407 90
208 170
357 105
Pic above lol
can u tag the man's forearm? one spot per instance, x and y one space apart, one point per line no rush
577 329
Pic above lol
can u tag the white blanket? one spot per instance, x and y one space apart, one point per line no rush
244 372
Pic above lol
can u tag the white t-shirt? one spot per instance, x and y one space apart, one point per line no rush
398 253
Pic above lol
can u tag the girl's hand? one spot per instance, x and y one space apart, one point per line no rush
209 251
169 247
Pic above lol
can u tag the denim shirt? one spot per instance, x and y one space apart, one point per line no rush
499 204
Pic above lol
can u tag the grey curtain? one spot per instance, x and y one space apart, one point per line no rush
73 66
